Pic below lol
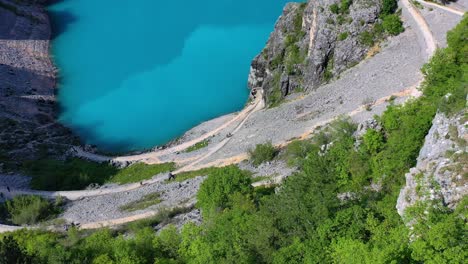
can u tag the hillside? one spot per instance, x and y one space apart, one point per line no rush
351 150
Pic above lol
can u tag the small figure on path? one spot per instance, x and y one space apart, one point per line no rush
8 188
171 176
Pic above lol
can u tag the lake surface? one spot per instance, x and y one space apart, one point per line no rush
135 74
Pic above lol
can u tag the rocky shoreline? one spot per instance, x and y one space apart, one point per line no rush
28 110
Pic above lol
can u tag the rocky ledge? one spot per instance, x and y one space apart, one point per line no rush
312 43
28 109
441 171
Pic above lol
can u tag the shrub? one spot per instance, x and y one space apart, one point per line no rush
343 36
29 209
216 191
344 6
366 38
334 8
198 145
373 140
297 151
392 24
262 153
388 7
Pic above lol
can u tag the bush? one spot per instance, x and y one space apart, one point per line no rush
197 146
366 38
29 209
262 153
297 151
343 36
215 192
334 8
344 6
388 7
373 140
392 24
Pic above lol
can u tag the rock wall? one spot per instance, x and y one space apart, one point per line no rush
441 170
312 44
28 126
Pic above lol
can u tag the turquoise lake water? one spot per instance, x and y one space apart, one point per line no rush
135 74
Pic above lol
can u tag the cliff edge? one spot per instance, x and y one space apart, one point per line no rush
28 109
314 42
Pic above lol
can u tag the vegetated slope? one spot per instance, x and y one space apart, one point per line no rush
339 207
314 42
28 125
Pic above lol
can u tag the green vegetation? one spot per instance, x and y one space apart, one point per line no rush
303 221
342 8
343 36
275 97
139 172
388 7
290 57
192 174
29 209
392 24
73 174
216 191
297 151
417 4
334 8
263 153
145 202
328 74
197 146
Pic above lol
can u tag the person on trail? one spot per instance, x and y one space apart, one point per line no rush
171 176
8 188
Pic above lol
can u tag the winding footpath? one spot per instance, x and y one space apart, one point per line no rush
197 162
446 8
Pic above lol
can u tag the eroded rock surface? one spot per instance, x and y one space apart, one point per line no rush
311 44
441 170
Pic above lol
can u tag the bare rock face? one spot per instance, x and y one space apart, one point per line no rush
311 44
28 126
441 170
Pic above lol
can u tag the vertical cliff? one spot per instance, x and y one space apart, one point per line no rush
441 171
314 42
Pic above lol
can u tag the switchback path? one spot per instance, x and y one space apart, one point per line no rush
446 8
202 161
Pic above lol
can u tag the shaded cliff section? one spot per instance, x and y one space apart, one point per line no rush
313 43
28 109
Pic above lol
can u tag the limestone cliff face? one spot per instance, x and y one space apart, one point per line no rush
28 126
441 170
312 43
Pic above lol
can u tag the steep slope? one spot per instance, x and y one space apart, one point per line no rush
28 126
441 170
314 42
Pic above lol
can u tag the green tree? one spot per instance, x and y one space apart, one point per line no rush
11 253
392 24
215 191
